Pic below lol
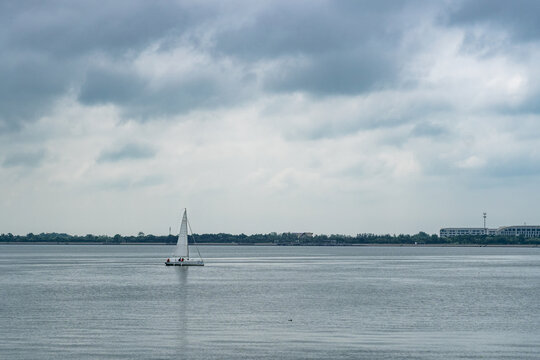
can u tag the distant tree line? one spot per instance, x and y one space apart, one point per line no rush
285 239
92 239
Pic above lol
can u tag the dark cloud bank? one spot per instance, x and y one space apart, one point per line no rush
322 48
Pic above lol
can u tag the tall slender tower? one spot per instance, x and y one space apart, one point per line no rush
485 229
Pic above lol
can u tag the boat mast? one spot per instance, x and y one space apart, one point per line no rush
187 237
186 226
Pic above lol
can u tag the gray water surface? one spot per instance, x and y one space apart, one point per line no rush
121 302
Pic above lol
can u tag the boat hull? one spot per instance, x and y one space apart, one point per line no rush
185 263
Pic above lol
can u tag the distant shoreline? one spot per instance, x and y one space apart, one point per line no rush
269 244
274 239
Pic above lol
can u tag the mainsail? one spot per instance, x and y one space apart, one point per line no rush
182 249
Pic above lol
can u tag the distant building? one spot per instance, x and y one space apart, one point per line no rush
450 232
516 230
520 230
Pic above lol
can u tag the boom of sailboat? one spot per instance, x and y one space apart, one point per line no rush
180 255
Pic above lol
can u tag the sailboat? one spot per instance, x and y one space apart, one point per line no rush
180 255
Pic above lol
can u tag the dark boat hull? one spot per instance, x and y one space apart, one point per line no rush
185 263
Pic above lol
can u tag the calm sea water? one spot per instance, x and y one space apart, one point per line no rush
121 302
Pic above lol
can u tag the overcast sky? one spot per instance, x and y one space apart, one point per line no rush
258 116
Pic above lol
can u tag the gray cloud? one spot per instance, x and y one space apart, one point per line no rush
528 105
130 151
344 47
29 84
109 86
304 27
376 111
46 47
24 159
496 169
514 167
427 129
139 99
335 74
519 18
320 48
69 29
126 184
327 48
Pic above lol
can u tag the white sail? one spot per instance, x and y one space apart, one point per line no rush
181 252
182 249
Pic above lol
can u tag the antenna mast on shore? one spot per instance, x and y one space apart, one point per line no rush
485 229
